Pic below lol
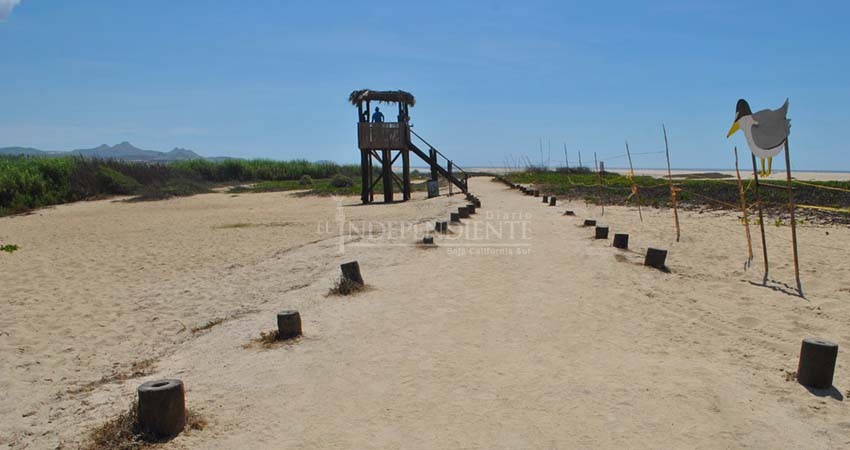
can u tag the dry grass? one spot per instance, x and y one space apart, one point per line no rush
790 375
208 325
123 433
344 286
269 340
137 369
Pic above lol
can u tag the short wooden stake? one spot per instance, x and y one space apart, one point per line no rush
553 201
351 272
761 219
569 213
621 241
463 212
817 363
601 233
589 222
288 325
793 219
656 258
455 217
428 240
162 408
545 199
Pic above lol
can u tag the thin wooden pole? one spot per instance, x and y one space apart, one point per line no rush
579 159
793 220
744 211
672 189
761 218
631 178
566 157
599 174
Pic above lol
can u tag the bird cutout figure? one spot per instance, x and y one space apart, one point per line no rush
766 131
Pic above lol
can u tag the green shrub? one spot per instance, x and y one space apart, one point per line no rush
341 181
305 180
111 182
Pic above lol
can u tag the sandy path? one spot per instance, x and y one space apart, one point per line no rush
574 345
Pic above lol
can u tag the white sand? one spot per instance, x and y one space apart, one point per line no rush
575 345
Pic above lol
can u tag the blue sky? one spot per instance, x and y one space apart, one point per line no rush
265 78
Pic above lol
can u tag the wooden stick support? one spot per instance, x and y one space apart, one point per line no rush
455 217
656 258
545 199
471 208
463 212
793 219
817 363
553 201
288 325
589 222
536 193
601 233
428 240
761 219
162 408
621 241
351 272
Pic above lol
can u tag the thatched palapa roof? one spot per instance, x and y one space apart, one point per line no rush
382 96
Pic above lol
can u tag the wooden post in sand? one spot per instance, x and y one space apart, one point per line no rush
599 173
656 258
288 325
745 216
793 220
161 408
817 363
601 233
761 218
672 188
351 272
621 241
631 178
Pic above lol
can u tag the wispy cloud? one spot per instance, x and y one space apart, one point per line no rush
6 7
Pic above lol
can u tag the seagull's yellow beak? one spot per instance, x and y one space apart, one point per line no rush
733 129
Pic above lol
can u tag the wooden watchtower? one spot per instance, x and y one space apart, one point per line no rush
385 142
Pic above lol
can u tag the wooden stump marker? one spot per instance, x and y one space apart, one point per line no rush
288 325
656 258
601 233
817 363
621 241
351 272
162 408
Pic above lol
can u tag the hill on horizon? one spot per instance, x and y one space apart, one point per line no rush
124 151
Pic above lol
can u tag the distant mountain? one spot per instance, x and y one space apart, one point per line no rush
123 151
26 151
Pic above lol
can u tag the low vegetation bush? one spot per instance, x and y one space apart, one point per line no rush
341 181
27 183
